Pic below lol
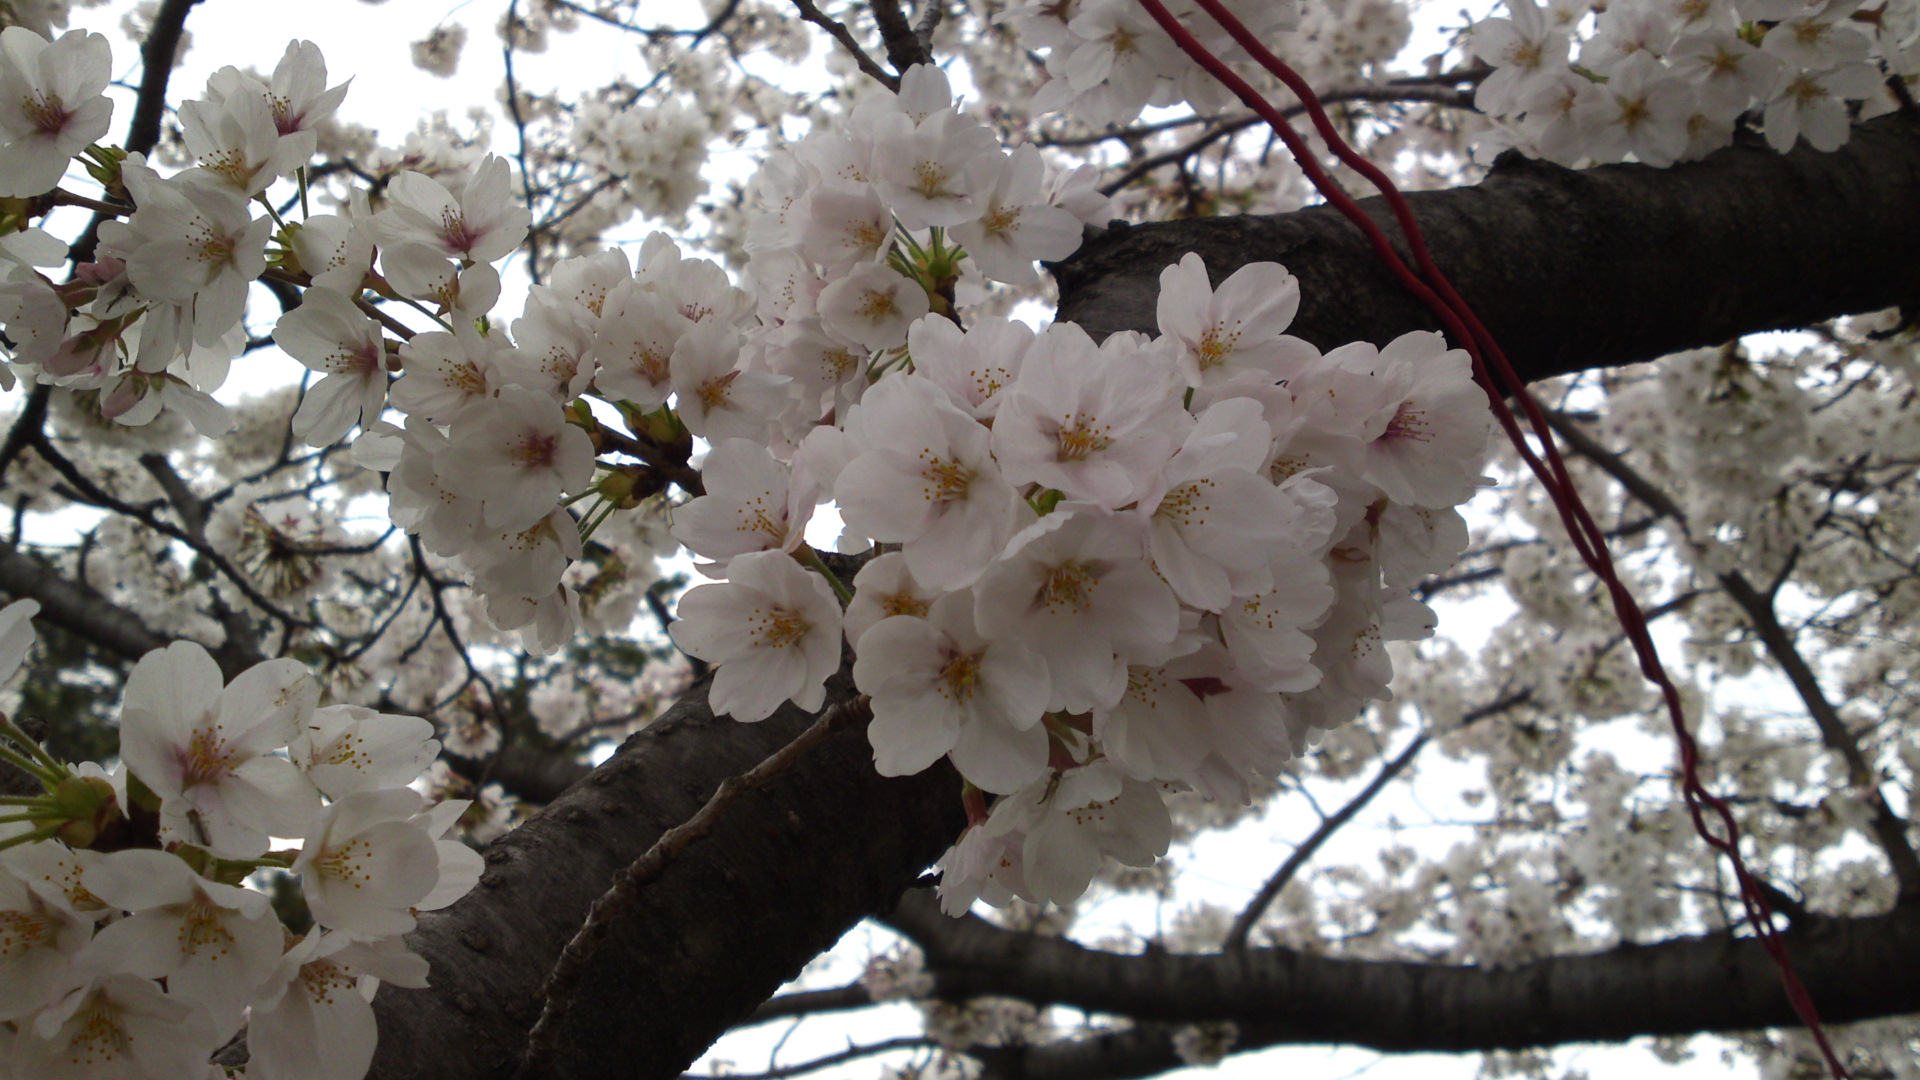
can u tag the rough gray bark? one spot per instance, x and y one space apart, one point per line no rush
1575 270
788 871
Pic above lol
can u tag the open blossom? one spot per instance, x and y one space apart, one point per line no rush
52 105
213 943
330 335
925 477
718 399
1236 331
1093 422
938 687
40 935
1017 225
772 627
751 504
517 453
191 240
349 748
366 863
1524 49
206 750
115 1026
872 306
1075 588
882 589
316 1020
479 221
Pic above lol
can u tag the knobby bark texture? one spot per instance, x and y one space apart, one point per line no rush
1856 969
784 875
1573 270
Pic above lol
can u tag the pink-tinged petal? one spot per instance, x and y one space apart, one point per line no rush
999 757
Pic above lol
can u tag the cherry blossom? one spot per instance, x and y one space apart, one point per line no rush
475 219
206 749
773 628
55 105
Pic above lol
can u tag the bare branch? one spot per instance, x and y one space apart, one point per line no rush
1889 829
838 30
1236 939
851 1053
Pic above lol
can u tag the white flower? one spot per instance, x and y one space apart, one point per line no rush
751 504
1017 225
1236 331
773 629
316 1023
872 306
1157 728
635 343
446 372
925 477
937 172
971 366
882 589
235 140
1428 439
1075 588
1213 524
842 228
214 944
52 105
329 334
116 1026
206 751
423 273
334 250
717 399
1523 50
191 240
479 224
40 935
349 748
938 687
1093 422
517 453
367 863
1814 105
1642 110
16 635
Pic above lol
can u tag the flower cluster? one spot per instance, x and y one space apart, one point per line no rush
128 946
1102 569
1659 81
1107 59
865 227
153 323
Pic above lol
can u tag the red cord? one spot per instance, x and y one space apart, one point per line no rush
1437 293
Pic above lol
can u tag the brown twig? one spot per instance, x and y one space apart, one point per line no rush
838 30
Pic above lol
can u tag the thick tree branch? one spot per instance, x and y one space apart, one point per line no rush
1856 969
76 608
782 876
1575 270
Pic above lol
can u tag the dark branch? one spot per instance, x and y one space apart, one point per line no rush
1856 969
1576 270
784 874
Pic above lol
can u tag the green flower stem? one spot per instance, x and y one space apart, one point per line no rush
30 766
35 802
33 837
32 745
810 559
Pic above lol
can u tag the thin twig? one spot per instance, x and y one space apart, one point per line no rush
851 1053
838 30
1243 925
564 981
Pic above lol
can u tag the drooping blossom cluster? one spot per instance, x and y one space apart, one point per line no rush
129 947
1658 81
1099 570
